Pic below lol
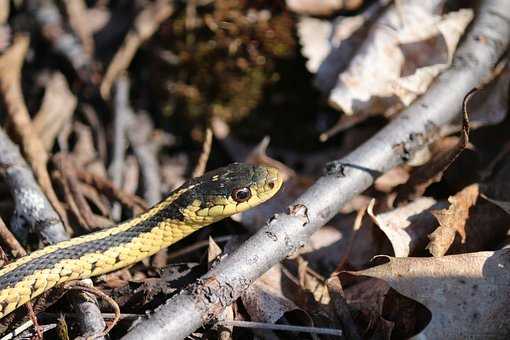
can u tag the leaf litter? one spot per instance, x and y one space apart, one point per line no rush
440 222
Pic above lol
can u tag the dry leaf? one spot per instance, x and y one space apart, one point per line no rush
452 220
341 310
213 252
505 205
396 36
264 300
379 311
330 45
327 245
489 106
369 241
407 227
390 179
467 294
444 152
312 282
259 156
496 188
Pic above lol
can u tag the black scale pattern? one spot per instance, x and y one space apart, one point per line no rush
76 251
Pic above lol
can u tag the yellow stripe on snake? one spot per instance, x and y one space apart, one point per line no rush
197 203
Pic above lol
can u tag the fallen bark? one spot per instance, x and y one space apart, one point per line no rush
201 302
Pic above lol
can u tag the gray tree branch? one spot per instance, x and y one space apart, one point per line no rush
33 212
201 302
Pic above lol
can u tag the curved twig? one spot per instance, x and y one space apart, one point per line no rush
80 286
396 143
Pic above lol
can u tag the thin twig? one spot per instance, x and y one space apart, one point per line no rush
4 11
109 189
10 84
278 327
196 246
146 151
79 21
5 234
393 145
83 211
122 117
146 23
64 42
204 156
56 110
18 330
103 315
33 318
77 285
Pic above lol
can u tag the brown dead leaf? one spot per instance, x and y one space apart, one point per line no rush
422 53
485 228
444 152
496 184
312 282
459 290
340 309
408 226
390 179
489 106
379 311
327 245
423 176
213 252
264 299
452 220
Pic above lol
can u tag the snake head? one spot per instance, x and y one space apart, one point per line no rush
230 190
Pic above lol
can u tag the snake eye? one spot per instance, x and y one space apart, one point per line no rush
241 195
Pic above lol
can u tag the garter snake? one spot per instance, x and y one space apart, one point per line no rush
197 203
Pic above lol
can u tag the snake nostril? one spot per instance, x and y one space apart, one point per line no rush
271 185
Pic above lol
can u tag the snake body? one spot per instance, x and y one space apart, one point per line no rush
197 203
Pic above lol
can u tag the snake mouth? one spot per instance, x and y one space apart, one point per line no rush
274 180
268 184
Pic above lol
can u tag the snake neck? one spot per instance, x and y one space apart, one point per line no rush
110 249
